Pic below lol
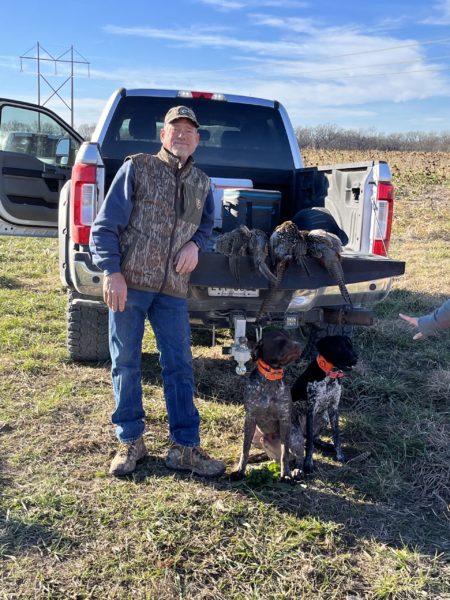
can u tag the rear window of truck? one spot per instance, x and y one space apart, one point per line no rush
231 134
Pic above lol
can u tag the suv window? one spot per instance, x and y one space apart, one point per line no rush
231 134
30 132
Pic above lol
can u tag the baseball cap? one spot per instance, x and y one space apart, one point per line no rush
181 112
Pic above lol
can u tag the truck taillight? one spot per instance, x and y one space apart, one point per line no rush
83 195
383 218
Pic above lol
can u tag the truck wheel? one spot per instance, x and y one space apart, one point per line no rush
313 333
87 330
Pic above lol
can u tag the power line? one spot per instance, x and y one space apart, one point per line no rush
334 56
351 67
436 70
374 50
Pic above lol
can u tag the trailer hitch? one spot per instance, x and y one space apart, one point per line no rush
240 350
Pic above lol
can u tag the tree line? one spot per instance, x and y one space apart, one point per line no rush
332 137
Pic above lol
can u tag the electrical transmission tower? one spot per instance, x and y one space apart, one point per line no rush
40 54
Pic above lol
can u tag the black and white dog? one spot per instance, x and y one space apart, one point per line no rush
315 403
316 395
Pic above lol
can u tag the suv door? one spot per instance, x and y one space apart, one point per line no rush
37 151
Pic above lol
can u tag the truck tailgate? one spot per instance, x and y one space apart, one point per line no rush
213 271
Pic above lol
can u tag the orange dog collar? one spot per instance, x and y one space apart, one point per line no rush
328 368
268 372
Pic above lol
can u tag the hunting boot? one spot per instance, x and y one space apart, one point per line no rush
184 458
127 456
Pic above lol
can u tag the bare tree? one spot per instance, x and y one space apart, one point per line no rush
331 137
86 130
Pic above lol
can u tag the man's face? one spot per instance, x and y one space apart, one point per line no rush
180 137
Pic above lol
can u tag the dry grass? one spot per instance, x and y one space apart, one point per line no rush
375 528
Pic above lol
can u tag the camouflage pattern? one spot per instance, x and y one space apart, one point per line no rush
128 454
167 211
195 460
180 112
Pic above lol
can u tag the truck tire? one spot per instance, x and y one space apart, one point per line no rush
87 330
314 333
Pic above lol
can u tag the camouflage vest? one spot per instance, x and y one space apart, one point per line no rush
167 210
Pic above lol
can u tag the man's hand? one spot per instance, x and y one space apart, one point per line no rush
186 258
115 291
414 321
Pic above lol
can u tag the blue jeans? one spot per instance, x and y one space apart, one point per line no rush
169 319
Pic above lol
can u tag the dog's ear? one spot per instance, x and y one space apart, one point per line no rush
257 351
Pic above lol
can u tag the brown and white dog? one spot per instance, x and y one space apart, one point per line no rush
315 397
267 398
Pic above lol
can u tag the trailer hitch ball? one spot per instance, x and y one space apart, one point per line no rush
241 370
241 354
240 350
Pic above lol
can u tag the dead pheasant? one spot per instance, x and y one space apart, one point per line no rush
282 244
245 242
258 248
285 246
327 249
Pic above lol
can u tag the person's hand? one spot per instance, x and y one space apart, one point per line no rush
115 291
414 321
186 258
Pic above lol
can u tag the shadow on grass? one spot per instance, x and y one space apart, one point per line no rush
357 519
10 283
19 537
215 378
16 536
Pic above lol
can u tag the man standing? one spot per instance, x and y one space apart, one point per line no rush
155 218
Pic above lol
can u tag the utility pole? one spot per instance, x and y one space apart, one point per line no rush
40 54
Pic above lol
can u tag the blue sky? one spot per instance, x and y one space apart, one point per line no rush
381 65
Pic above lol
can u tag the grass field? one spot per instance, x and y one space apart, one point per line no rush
376 527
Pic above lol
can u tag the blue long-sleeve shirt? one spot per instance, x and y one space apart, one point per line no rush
115 213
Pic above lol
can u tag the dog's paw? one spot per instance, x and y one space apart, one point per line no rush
297 474
308 466
237 475
287 479
340 457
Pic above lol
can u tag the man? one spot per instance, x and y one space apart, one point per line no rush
155 218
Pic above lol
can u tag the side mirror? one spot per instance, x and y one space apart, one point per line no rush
62 151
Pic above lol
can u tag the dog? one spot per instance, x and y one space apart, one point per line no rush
315 398
267 398
317 392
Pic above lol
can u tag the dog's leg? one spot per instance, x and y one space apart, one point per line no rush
308 465
324 446
297 449
334 421
285 432
249 432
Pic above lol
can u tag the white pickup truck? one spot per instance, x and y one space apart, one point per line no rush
56 189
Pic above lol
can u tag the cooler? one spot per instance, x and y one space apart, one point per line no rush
218 186
258 209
